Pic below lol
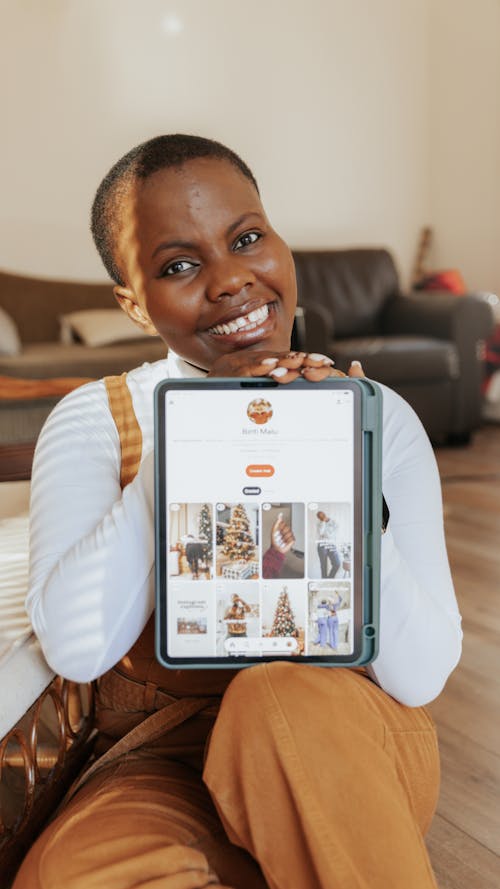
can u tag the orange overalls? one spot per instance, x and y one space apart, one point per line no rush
317 774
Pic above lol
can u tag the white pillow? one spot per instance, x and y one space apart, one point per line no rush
10 344
99 327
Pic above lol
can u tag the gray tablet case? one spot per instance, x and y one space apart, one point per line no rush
371 435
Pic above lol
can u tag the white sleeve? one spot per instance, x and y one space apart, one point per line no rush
91 551
420 633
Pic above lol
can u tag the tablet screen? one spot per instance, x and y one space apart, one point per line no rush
261 557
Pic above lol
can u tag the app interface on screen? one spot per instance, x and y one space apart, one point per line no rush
260 544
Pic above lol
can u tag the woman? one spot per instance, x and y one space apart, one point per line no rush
181 229
333 621
235 616
327 545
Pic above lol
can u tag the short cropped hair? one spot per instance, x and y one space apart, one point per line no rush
141 162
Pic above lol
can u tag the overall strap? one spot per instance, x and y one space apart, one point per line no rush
147 731
122 409
179 711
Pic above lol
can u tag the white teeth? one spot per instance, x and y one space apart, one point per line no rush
249 322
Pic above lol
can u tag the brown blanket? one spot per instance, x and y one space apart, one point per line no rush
17 388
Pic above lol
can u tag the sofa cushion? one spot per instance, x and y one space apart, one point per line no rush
10 344
398 359
43 360
353 285
35 304
99 327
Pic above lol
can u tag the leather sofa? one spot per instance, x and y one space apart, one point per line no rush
425 345
36 306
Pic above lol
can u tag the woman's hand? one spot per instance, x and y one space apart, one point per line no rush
282 538
283 366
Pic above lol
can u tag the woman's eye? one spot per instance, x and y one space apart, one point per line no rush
180 265
247 239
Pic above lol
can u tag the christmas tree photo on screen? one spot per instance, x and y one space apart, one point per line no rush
237 536
284 612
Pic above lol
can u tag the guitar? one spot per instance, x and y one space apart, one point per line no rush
447 279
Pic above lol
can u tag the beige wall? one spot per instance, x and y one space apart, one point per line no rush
465 138
326 99
363 120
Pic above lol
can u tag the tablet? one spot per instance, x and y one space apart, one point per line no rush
268 514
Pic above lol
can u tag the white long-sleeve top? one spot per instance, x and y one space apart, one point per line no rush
91 586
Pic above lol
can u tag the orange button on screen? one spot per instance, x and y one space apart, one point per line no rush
260 470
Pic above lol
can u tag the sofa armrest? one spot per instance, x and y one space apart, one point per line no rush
319 329
441 315
462 320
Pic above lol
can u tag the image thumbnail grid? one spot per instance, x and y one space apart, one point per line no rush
280 570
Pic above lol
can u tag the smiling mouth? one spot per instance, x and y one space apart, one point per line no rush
243 324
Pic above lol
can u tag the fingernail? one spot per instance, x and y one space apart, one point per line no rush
270 361
316 356
355 363
278 372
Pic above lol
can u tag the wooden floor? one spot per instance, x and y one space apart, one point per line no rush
464 840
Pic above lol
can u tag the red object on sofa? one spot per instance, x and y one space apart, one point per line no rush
450 280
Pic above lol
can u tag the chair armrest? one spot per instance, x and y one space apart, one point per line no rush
319 329
40 757
460 319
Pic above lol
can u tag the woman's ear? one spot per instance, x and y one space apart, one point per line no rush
126 300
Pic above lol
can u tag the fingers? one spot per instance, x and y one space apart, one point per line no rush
288 537
277 523
315 359
356 369
289 360
283 374
264 367
311 365
282 537
316 374
282 532
279 368
283 540
285 368
293 360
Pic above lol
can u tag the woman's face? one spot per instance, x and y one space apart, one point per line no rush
203 265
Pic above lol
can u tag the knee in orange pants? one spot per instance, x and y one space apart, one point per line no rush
145 824
304 769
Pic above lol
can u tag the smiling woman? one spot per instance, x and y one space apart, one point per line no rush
299 762
230 286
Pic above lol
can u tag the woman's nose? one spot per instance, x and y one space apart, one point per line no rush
228 278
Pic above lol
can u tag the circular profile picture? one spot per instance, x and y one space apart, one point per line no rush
260 411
